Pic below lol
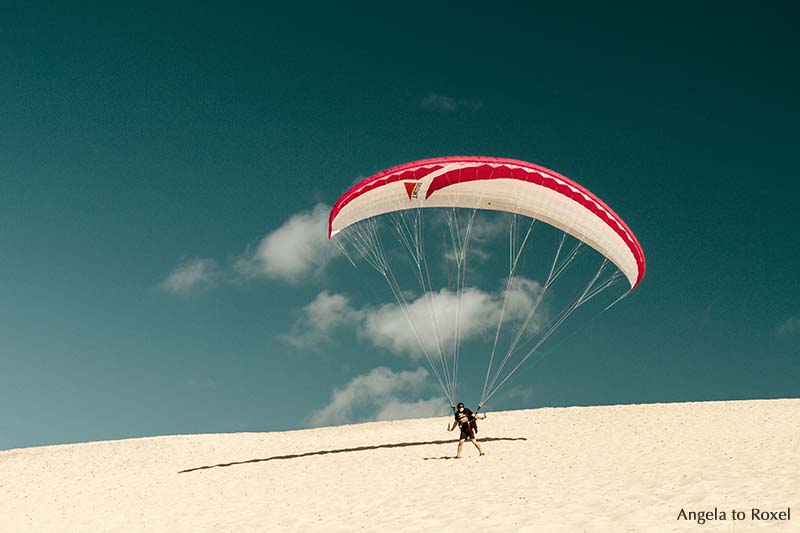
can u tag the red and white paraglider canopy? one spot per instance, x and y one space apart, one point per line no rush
496 184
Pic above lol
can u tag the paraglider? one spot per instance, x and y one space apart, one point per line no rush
465 420
383 218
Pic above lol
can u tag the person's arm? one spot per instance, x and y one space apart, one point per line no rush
451 428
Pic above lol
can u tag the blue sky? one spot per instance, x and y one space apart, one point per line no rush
150 157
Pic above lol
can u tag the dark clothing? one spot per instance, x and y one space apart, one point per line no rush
466 422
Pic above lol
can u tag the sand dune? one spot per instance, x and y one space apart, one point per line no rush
619 468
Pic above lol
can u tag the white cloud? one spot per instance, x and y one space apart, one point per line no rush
441 102
320 319
433 315
380 394
388 327
395 409
190 276
488 228
491 227
296 250
522 296
790 326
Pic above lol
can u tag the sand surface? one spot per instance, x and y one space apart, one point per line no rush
618 468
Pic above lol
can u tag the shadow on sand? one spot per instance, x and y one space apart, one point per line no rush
347 450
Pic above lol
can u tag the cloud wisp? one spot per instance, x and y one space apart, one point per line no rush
296 250
320 319
440 102
201 382
380 394
485 232
191 276
789 327
433 315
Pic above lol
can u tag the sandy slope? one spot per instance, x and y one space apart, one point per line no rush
621 468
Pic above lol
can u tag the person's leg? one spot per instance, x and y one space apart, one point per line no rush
460 445
477 445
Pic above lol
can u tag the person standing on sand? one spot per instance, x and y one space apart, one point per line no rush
465 419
